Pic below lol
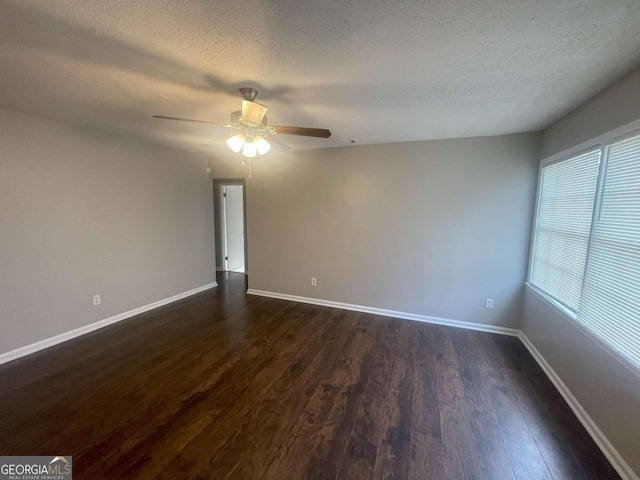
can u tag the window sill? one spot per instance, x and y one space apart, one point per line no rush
571 317
561 309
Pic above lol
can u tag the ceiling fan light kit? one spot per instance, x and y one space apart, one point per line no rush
248 144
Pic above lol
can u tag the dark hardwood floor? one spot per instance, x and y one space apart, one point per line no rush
228 386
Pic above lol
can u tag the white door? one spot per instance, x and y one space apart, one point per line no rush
234 227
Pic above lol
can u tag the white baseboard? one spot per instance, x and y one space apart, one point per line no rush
388 313
616 460
63 337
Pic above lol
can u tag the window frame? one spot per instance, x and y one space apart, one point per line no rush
601 142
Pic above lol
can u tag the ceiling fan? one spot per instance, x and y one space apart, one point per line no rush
254 136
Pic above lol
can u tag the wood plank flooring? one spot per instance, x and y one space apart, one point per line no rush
228 386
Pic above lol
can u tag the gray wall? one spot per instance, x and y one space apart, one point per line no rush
429 227
606 389
614 107
83 213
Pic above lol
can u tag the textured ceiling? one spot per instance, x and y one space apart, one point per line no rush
370 70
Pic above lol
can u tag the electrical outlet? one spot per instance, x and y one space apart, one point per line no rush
314 282
96 300
488 303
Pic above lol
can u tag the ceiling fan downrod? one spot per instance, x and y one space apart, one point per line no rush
249 93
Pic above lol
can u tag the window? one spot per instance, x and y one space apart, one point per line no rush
586 245
565 207
611 298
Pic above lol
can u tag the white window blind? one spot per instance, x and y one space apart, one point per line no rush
563 225
611 297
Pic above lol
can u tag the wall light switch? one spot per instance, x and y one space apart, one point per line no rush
96 300
314 282
488 303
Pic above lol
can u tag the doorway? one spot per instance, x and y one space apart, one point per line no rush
231 255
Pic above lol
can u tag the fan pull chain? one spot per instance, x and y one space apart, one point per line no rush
250 176
243 162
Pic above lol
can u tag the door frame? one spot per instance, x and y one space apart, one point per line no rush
220 213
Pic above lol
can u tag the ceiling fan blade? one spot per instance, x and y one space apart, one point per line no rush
162 117
303 131
277 145
253 112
